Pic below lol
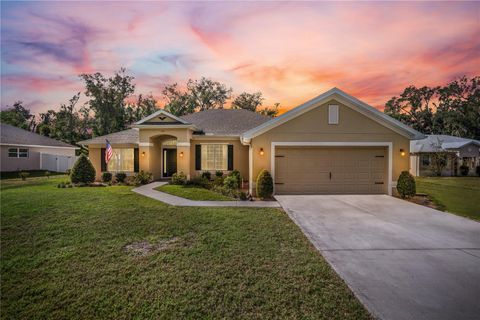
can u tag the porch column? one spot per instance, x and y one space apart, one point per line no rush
183 158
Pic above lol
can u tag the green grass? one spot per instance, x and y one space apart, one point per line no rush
63 257
459 195
192 193
33 173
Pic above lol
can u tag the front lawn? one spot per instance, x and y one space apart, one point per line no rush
96 253
192 192
32 173
459 195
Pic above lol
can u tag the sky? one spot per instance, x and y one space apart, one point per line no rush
290 51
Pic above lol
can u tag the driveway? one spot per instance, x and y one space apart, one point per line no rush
402 260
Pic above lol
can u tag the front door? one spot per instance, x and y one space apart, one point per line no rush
169 162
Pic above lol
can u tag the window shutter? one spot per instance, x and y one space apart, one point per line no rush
230 157
135 160
198 157
103 165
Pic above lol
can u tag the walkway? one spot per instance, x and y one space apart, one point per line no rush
148 191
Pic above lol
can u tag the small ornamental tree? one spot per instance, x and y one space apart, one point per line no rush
406 185
82 171
264 185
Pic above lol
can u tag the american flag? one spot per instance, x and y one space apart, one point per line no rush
108 152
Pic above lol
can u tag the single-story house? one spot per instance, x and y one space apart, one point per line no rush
333 143
462 152
25 150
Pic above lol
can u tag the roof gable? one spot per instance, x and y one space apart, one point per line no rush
344 98
161 117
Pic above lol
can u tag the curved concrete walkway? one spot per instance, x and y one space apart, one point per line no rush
148 191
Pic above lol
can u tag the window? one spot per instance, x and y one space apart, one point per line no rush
425 160
214 157
122 160
17 153
332 114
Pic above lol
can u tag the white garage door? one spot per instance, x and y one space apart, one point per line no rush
331 170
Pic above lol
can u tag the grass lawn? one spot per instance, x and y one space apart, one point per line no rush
459 195
95 253
192 193
33 173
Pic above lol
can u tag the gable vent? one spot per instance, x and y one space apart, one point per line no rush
333 114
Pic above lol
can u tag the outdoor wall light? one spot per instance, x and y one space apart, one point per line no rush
143 154
262 152
181 154
402 152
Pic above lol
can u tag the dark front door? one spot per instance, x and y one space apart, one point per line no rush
169 162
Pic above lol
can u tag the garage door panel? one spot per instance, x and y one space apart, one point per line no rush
339 170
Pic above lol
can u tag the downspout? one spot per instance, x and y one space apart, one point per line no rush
250 169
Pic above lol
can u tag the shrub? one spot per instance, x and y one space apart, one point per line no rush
464 170
477 170
106 177
218 181
23 175
207 175
230 182
199 181
82 171
120 177
226 191
264 185
47 174
61 185
179 178
143 177
236 174
243 196
406 185
218 173
68 171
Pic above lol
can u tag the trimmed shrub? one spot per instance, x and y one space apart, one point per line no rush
230 182
47 174
464 170
68 171
477 170
179 178
406 185
207 175
264 185
199 181
236 174
226 191
218 181
120 177
243 196
61 185
23 175
107 177
143 177
82 171
218 173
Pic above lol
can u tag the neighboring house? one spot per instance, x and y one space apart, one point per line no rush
460 151
333 143
25 150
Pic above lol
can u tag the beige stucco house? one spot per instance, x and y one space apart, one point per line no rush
333 143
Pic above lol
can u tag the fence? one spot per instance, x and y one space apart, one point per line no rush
57 163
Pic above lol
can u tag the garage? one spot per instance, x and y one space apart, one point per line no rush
331 170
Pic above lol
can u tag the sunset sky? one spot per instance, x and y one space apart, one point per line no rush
289 51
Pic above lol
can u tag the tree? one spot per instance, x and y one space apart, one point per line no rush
107 100
18 116
205 94
439 158
144 106
178 102
453 109
270 111
248 101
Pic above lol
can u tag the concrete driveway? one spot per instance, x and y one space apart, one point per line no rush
402 260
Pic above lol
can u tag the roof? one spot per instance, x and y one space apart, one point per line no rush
11 135
440 142
129 136
160 113
225 122
325 97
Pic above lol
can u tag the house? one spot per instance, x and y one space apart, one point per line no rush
333 143
461 151
25 150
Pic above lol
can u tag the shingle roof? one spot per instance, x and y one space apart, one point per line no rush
11 135
432 142
225 122
122 137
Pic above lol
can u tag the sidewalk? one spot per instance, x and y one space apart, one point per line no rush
148 191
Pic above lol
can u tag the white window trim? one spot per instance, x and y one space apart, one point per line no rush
333 114
18 153
336 144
